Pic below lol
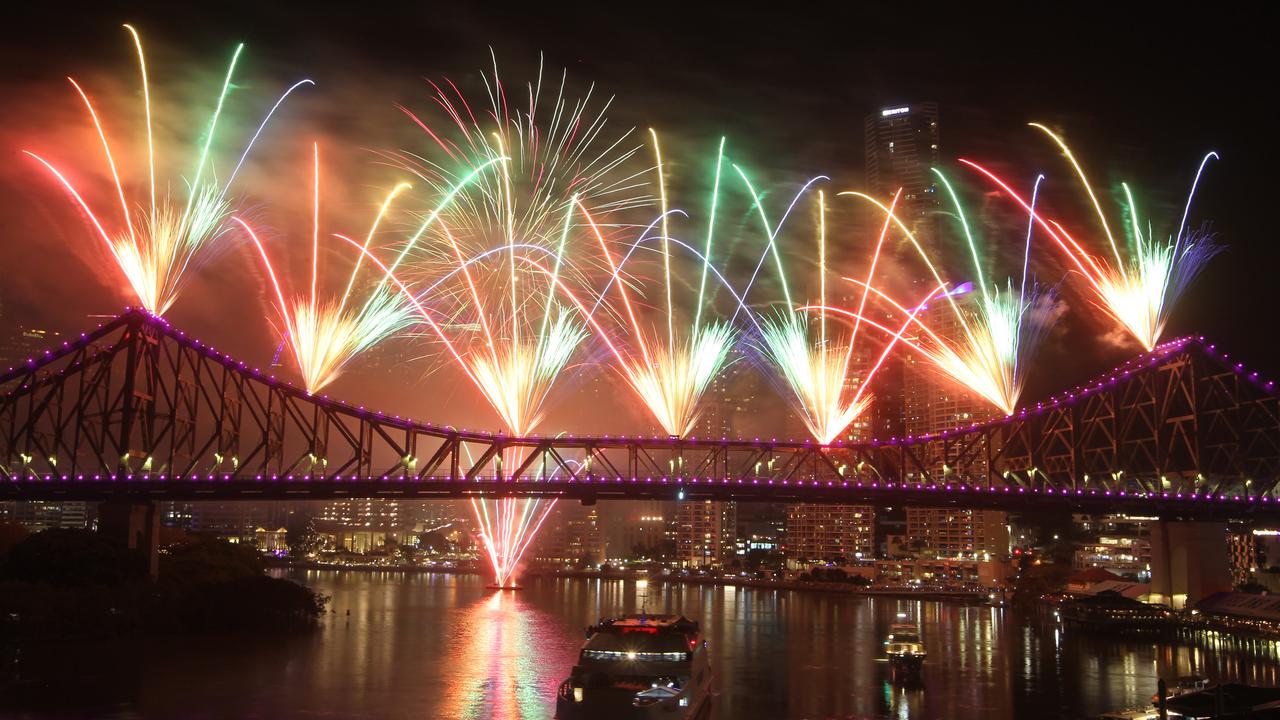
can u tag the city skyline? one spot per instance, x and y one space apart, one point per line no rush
856 361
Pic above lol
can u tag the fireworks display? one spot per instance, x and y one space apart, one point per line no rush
669 374
997 332
1141 286
534 233
158 242
815 361
494 259
324 335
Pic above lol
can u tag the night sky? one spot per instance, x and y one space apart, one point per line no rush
1140 96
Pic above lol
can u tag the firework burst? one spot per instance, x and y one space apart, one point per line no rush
324 334
999 329
669 374
507 319
822 367
162 240
1139 286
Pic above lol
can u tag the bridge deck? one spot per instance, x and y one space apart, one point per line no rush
1179 430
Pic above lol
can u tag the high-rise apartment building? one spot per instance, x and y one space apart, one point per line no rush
822 534
901 148
958 533
638 528
706 533
572 536
902 144
364 524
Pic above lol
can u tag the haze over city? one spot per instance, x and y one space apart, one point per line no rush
823 364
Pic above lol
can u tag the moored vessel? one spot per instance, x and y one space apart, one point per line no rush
639 666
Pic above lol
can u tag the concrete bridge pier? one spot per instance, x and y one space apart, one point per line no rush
136 525
1189 562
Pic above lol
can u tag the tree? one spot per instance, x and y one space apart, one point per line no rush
11 533
210 561
434 541
303 540
72 558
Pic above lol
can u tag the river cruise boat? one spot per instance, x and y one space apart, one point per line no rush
1112 611
639 666
903 648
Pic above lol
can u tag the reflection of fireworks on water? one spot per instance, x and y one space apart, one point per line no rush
508 663
500 311
165 238
324 335
1139 289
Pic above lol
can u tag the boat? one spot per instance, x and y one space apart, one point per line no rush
1112 611
904 648
1129 714
1182 686
639 666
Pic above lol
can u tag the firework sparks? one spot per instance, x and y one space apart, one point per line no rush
671 377
999 330
829 389
505 317
165 238
1137 287
322 334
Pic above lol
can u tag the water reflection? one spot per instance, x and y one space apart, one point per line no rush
429 646
499 662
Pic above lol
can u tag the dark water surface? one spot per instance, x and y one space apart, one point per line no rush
439 646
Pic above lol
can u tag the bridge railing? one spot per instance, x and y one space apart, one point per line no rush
137 401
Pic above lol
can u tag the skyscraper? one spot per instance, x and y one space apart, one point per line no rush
572 536
959 532
706 533
840 534
902 146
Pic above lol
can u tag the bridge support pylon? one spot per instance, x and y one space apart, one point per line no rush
1189 562
136 525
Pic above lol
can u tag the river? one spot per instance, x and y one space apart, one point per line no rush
404 645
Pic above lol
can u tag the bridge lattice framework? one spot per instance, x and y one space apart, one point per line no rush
136 408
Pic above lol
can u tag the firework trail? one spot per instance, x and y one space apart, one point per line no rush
323 335
999 329
163 239
1138 286
817 362
671 377
509 321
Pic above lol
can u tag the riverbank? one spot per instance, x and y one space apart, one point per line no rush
963 595
77 584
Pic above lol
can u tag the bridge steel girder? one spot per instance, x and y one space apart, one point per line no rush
138 409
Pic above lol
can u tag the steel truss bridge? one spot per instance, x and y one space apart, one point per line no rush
138 410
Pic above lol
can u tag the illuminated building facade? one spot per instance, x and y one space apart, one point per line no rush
1120 544
37 515
362 525
706 533
958 533
901 147
829 534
